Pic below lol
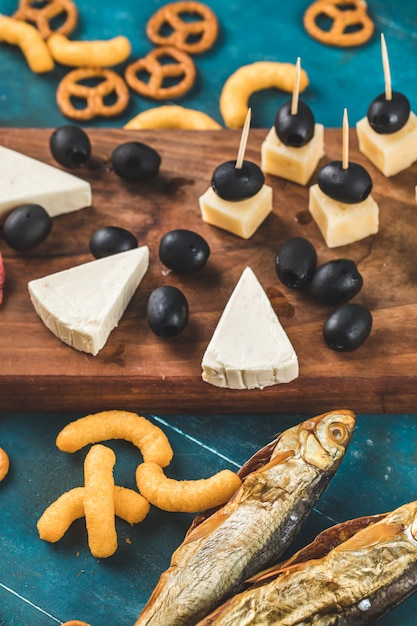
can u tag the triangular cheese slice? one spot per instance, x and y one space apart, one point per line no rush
249 348
83 304
25 180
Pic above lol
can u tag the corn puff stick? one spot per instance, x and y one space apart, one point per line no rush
89 53
30 42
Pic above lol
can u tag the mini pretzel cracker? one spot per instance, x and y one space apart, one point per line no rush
4 464
148 438
183 68
172 116
42 13
183 33
109 83
187 496
350 26
89 53
256 76
54 522
30 42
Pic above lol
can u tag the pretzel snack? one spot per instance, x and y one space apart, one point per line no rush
30 42
172 116
194 36
148 438
183 68
43 14
349 26
186 496
89 53
72 87
254 77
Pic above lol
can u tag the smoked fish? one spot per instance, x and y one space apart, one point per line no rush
352 574
281 484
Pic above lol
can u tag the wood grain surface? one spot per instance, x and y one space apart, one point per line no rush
137 370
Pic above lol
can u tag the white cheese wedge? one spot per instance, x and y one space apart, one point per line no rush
294 164
243 217
392 153
83 304
249 348
25 180
340 223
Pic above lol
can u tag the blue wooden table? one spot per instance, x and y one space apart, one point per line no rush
44 584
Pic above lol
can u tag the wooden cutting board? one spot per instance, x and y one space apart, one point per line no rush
137 370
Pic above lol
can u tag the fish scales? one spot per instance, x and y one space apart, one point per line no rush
356 583
256 525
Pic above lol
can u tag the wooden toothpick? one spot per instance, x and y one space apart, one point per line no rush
296 89
345 148
243 140
386 67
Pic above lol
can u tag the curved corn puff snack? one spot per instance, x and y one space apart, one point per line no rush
256 76
89 53
172 116
150 439
30 42
187 496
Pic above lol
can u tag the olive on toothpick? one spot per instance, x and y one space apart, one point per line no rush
240 179
294 121
345 181
389 111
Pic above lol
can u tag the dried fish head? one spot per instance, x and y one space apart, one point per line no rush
323 440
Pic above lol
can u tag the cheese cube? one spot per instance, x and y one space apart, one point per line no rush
389 153
295 164
242 217
341 223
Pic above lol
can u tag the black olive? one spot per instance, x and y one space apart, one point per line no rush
388 116
167 311
111 240
297 129
70 146
135 162
350 185
237 183
183 250
27 226
347 327
336 282
295 262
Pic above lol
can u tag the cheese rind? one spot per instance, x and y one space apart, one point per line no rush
340 223
83 304
391 153
294 164
25 180
243 217
249 348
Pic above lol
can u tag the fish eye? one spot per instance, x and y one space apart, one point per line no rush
338 432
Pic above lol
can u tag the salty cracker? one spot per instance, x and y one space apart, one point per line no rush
350 22
147 437
99 53
172 116
110 83
4 464
129 505
248 79
27 37
41 15
194 36
186 496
